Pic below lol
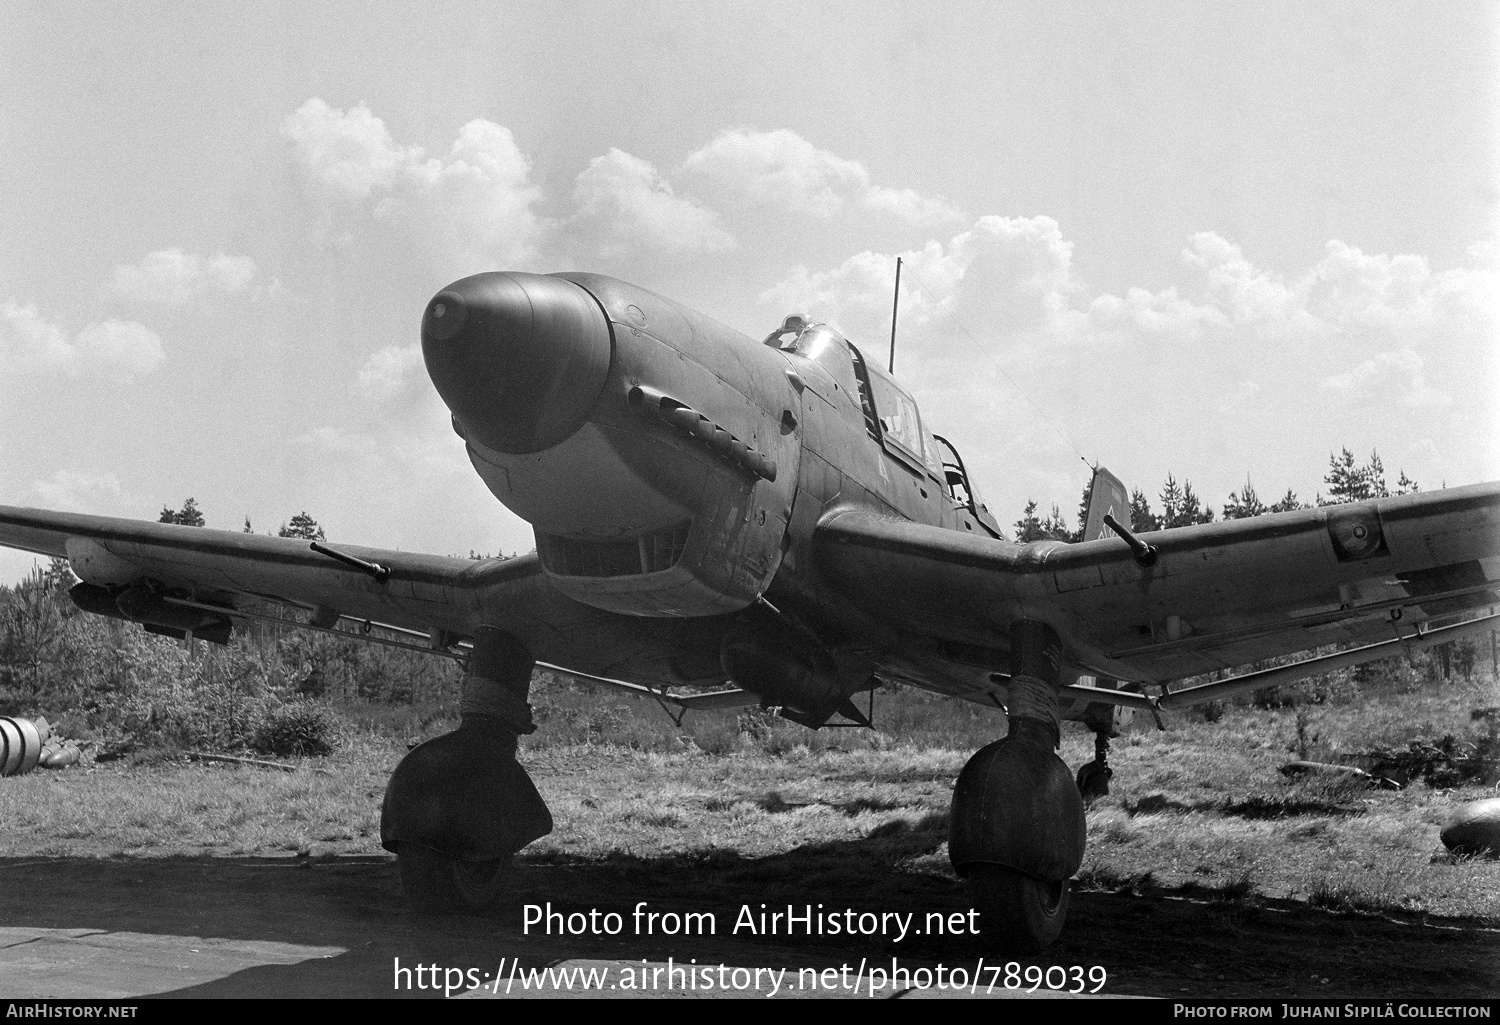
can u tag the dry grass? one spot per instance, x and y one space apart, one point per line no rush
1203 805
1200 809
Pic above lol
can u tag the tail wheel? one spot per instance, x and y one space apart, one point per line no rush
1093 781
438 883
1017 912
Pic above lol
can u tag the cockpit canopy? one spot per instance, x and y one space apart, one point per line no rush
805 337
891 415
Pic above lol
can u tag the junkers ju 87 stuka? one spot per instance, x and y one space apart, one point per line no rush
774 520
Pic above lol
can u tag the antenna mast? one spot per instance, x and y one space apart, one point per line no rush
895 304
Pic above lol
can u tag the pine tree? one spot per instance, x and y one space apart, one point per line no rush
247 526
1345 482
31 626
1406 485
1141 517
1244 503
1350 483
187 516
1191 513
1171 502
1180 505
1083 510
303 526
1288 503
1031 527
1375 476
1056 527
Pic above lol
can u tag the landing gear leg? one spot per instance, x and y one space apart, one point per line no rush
1094 777
1017 831
458 807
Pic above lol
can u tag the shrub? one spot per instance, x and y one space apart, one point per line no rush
298 729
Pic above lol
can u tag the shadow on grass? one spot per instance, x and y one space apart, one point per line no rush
1157 804
1210 941
773 803
1258 807
1286 807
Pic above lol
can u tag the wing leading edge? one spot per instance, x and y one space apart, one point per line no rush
220 568
1216 595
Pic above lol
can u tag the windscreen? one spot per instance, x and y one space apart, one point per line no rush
897 412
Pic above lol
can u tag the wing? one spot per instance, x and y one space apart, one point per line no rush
1209 597
167 573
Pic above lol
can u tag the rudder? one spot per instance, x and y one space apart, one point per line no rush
1107 494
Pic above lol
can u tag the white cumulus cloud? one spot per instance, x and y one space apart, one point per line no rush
1388 377
29 342
1007 278
781 168
1011 280
472 208
1016 358
173 277
625 209
349 153
120 349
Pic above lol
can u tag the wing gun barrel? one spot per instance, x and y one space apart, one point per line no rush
375 569
1145 554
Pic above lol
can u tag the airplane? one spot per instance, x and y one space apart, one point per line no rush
776 515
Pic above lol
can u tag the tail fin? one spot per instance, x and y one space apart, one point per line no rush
1106 495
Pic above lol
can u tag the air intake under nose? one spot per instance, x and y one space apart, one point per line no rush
520 359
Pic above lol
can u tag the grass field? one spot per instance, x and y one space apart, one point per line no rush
1199 809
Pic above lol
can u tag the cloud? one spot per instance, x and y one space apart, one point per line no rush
477 206
119 349
349 153
27 342
1244 294
472 208
1388 377
385 374
1011 280
1007 278
780 168
1350 295
1013 356
625 209
1373 292
172 277
73 491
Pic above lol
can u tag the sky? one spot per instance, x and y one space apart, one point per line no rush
1221 242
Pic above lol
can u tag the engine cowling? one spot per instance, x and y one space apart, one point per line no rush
654 450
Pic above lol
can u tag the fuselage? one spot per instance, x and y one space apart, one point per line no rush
675 469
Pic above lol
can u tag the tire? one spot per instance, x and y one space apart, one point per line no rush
1017 912
438 883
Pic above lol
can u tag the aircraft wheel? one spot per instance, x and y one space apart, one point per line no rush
1017 912
438 883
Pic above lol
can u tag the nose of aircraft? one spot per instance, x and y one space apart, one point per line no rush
520 359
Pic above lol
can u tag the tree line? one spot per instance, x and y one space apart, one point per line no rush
1347 480
301 525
